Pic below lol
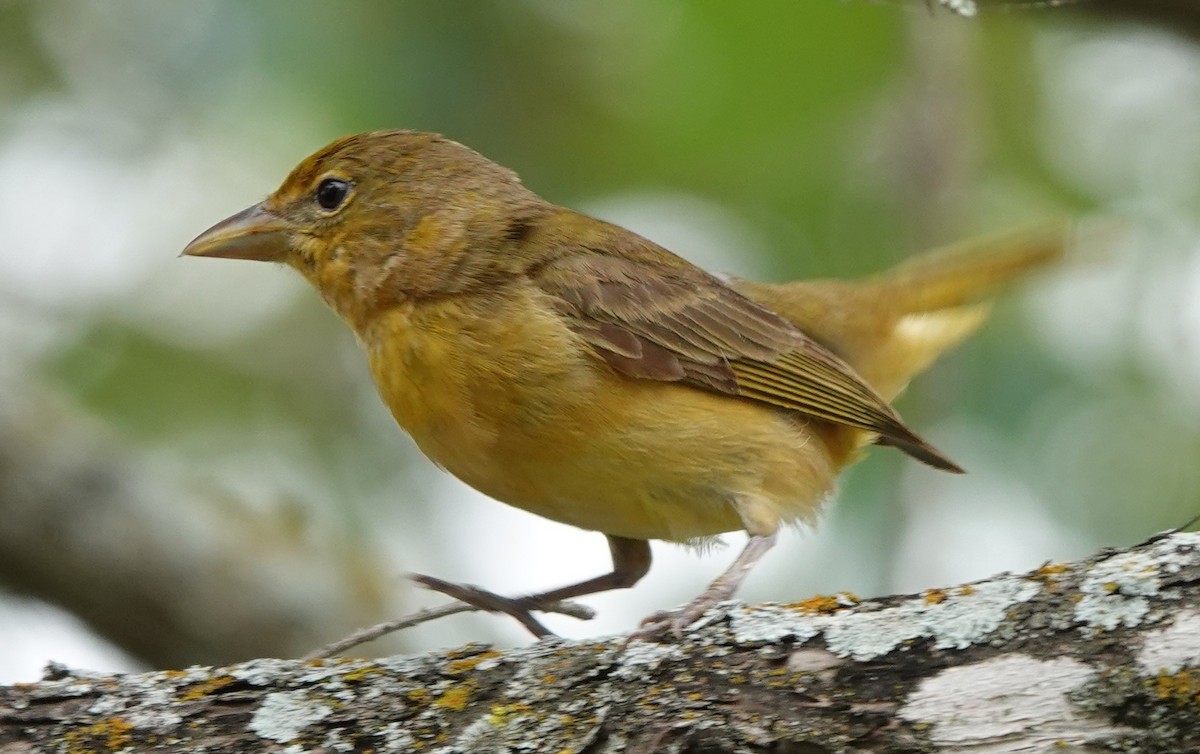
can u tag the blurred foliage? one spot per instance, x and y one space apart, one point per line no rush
839 136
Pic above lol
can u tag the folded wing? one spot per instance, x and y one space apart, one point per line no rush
650 315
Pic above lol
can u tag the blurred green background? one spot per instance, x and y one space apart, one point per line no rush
194 466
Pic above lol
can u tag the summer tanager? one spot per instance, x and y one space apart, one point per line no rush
574 369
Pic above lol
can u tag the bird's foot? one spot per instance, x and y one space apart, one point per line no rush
725 586
674 622
520 609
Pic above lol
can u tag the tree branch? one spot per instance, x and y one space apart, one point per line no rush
1099 655
173 571
1177 16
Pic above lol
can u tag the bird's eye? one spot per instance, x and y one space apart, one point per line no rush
331 192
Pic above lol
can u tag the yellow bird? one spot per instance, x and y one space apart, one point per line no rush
574 369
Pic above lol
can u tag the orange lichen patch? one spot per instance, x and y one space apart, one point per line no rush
825 603
935 596
113 735
966 590
549 679
1050 571
649 699
357 675
204 688
468 663
120 733
457 698
1182 687
418 696
501 713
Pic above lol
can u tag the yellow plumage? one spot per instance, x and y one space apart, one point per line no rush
576 370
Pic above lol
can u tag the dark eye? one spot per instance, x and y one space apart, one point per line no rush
331 192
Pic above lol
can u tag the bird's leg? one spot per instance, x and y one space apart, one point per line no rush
491 602
722 588
631 561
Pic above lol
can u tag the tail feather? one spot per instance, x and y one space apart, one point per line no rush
964 272
892 326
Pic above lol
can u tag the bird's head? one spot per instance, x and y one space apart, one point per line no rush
375 218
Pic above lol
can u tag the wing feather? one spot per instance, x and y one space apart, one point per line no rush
656 317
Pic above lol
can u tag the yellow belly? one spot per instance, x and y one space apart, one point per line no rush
524 413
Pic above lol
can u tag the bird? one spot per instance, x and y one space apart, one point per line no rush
572 368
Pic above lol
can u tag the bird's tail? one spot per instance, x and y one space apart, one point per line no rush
892 326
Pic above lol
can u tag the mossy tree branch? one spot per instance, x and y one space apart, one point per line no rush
1098 655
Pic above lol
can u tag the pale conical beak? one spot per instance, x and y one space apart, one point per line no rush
254 233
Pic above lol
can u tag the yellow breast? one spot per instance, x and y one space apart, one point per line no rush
502 394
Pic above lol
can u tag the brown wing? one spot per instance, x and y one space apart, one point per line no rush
664 319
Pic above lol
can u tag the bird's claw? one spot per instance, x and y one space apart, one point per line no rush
520 609
517 608
673 622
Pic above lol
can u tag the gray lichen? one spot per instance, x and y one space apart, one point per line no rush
953 619
1013 660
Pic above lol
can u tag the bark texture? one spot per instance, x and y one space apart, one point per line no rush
1101 655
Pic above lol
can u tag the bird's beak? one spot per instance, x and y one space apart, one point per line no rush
254 233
